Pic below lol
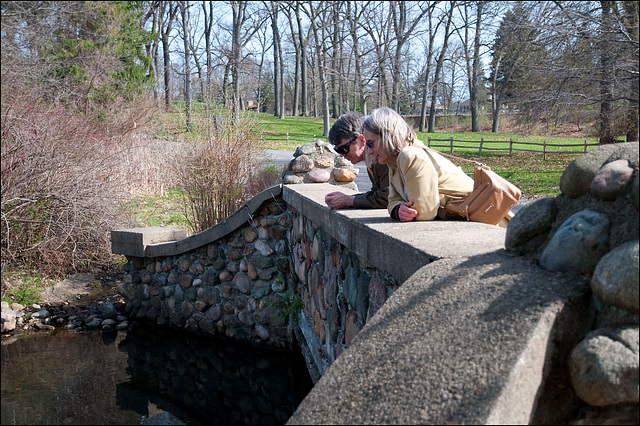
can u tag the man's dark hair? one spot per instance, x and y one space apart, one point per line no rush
347 126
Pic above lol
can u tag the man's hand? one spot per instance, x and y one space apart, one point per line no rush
338 200
406 213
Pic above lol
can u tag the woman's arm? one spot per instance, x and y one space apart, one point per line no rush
420 182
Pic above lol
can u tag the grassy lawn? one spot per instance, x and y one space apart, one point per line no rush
534 175
160 210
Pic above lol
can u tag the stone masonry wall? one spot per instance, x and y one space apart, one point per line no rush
238 286
228 287
339 289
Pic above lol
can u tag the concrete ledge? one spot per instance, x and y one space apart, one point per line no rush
134 241
153 242
463 340
399 249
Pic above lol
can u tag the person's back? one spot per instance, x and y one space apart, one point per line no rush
426 179
420 181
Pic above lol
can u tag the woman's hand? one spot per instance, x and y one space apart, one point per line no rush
406 213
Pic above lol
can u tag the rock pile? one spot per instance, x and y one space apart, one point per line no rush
591 228
104 317
318 162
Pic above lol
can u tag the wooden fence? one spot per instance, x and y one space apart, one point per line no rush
286 137
481 145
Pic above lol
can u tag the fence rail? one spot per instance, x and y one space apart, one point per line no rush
290 138
480 145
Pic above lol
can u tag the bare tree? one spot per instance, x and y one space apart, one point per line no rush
245 24
436 77
319 18
278 62
630 30
514 41
404 20
208 27
184 11
152 47
288 9
304 41
379 30
427 74
354 19
336 44
589 60
472 55
264 45
239 18
168 10
195 38
607 135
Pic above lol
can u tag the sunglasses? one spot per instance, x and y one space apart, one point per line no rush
344 149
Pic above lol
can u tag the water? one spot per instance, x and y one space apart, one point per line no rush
147 376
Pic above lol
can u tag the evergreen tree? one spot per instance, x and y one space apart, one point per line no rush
84 54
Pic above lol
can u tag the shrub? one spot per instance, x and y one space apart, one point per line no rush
220 174
58 187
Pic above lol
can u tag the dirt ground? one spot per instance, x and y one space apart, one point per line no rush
82 295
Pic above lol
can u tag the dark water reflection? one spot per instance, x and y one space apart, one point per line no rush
147 377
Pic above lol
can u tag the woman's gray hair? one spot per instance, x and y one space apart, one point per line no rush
395 133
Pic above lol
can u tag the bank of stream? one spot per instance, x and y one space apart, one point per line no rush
145 375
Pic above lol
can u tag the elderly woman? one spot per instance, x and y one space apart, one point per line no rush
421 181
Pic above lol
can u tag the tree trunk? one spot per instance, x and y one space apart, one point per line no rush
399 22
356 53
152 47
633 113
208 25
476 70
239 9
296 88
303 64
187 64
436 78
165 29
423 108
167 72
281 103
276 86
321 52
225 84
334 60
607 134
278 65
296 77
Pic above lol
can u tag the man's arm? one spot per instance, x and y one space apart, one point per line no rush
377 198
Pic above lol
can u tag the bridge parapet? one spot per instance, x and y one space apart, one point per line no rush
402 322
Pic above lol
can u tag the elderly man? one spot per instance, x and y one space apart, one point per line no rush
346 136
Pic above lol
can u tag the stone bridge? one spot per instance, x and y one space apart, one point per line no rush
421 322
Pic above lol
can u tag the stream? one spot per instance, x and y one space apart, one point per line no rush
147 376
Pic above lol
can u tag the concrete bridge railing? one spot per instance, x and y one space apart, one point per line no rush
429 322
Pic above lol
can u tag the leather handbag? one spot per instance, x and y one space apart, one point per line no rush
491 200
